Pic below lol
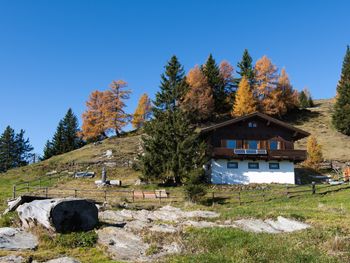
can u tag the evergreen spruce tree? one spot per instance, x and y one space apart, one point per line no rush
65 138
48 150
246 67
7 146
341 114
70 133
171 146
14 149
303 100
216 82
22 149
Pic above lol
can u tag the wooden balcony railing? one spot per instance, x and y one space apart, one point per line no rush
292 155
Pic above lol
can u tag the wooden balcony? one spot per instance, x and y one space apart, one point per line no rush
291 155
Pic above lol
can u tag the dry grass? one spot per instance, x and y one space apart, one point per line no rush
318 121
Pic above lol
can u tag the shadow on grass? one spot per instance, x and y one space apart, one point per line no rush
215 200
300 116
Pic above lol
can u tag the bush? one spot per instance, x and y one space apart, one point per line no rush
195 187
78 239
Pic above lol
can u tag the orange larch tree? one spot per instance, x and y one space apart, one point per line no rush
245 101
198 101
282 98
142 112
265 80
314 153
93 118
114 106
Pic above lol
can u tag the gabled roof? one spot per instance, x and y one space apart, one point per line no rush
301 133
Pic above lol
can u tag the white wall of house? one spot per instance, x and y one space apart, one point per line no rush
221 174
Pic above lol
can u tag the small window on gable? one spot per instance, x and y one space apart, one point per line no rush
252 124
253 165
274 166
232 165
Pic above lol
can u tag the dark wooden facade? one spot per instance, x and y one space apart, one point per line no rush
275 139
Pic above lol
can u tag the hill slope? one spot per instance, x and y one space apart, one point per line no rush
318 121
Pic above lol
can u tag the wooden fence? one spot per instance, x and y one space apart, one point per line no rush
48 187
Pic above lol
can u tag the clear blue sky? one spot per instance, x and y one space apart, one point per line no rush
54 53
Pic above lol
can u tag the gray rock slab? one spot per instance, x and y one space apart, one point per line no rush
256 226
164 228
16 239
287 225
123 245
12 259
63 260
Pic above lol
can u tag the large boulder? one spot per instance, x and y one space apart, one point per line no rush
61 215
12 259
16 239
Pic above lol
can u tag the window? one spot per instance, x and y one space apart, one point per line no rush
273 145
252 124
253 145
274 165
232 165
253 165
231 144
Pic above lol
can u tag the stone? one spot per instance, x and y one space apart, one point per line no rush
84 174
12 259
52 172
109 154
60 214
16 239
123 245
63 260
256 226
115 182
163 228
287 225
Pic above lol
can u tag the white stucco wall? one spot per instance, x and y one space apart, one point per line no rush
220 174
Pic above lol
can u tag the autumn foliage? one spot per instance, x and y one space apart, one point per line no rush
245 101
105 111
198 100
314 153
142 112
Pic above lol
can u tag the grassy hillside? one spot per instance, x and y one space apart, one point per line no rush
318 121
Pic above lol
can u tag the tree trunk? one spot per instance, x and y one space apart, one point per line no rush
60 215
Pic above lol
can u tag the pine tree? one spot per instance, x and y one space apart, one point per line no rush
48 150
303 100
245 101
170 130
230 84
314 153
22 149
198 101
142 112
212 72
71 130
7 146
341 113
58 140
14 149
246 67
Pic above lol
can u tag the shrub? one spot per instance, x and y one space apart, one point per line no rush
77 239
195 187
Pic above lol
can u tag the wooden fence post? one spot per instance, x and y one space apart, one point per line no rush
263 195
75 193
46 192
239 197
105 195
133 196
160 197
213 198
14 191
313 184
287 193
